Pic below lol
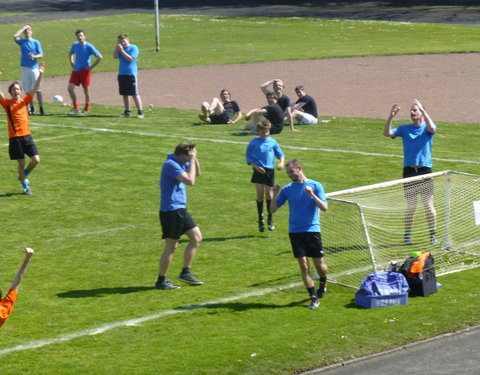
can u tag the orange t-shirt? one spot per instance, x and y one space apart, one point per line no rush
6 305
17 112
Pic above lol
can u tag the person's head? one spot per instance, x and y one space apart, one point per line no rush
28 32
271 97
278 86
80 34
263 128
300 91
123 40
183 149
416 115
15 89
294 170
225 95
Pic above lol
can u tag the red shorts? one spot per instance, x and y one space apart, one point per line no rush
81 77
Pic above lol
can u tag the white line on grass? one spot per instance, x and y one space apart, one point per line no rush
134 322
245 143
81 234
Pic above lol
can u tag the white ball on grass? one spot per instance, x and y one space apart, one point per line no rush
58 99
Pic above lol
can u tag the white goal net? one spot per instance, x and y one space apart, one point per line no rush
367 227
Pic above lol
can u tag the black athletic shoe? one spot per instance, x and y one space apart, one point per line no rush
322 289
261 226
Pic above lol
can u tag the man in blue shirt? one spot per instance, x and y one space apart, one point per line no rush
180 169
305 197
127 55
79 58
30 52
261 154
417 150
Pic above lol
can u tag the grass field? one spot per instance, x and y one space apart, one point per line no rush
87 305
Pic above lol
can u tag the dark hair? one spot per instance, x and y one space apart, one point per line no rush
79 31
294 163
270 94
184 148
223 91
13 84
299 88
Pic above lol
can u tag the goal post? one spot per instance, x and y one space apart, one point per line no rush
364 228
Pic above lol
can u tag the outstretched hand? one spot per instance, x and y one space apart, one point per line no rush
395 110
28 252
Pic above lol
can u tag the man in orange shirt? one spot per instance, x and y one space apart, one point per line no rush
7 303
21 140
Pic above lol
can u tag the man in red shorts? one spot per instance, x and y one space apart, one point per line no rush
82 70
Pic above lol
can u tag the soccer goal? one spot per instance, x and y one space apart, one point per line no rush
364 228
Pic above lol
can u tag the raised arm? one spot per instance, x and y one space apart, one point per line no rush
387 130
431 127
19 32
21 271
1 93
188 177
264 86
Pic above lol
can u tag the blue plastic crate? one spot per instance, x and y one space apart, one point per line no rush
373 302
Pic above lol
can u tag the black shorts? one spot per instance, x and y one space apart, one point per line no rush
264 179
424 187
175 223
219 119
127 85
307 244
20 146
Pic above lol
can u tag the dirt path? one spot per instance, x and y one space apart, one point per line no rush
449 85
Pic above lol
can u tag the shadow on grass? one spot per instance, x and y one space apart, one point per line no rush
240 306
8 195
221 239
273 282
85 293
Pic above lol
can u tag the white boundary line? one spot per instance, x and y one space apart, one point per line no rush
245 143
137 321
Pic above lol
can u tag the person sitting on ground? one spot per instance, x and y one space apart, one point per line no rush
283 100
221 111
272 112
305 108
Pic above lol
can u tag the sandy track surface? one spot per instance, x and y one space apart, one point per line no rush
448 85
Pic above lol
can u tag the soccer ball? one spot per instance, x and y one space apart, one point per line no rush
58 99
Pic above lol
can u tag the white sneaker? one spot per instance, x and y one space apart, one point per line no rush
84 112
74 111
314 303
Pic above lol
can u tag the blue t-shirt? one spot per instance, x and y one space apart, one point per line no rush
173 193
128 68
27 46
82 54
417 144
304 216
263 152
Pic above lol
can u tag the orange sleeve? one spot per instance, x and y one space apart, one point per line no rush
6 305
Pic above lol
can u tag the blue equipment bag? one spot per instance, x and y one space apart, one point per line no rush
382 289
384 283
